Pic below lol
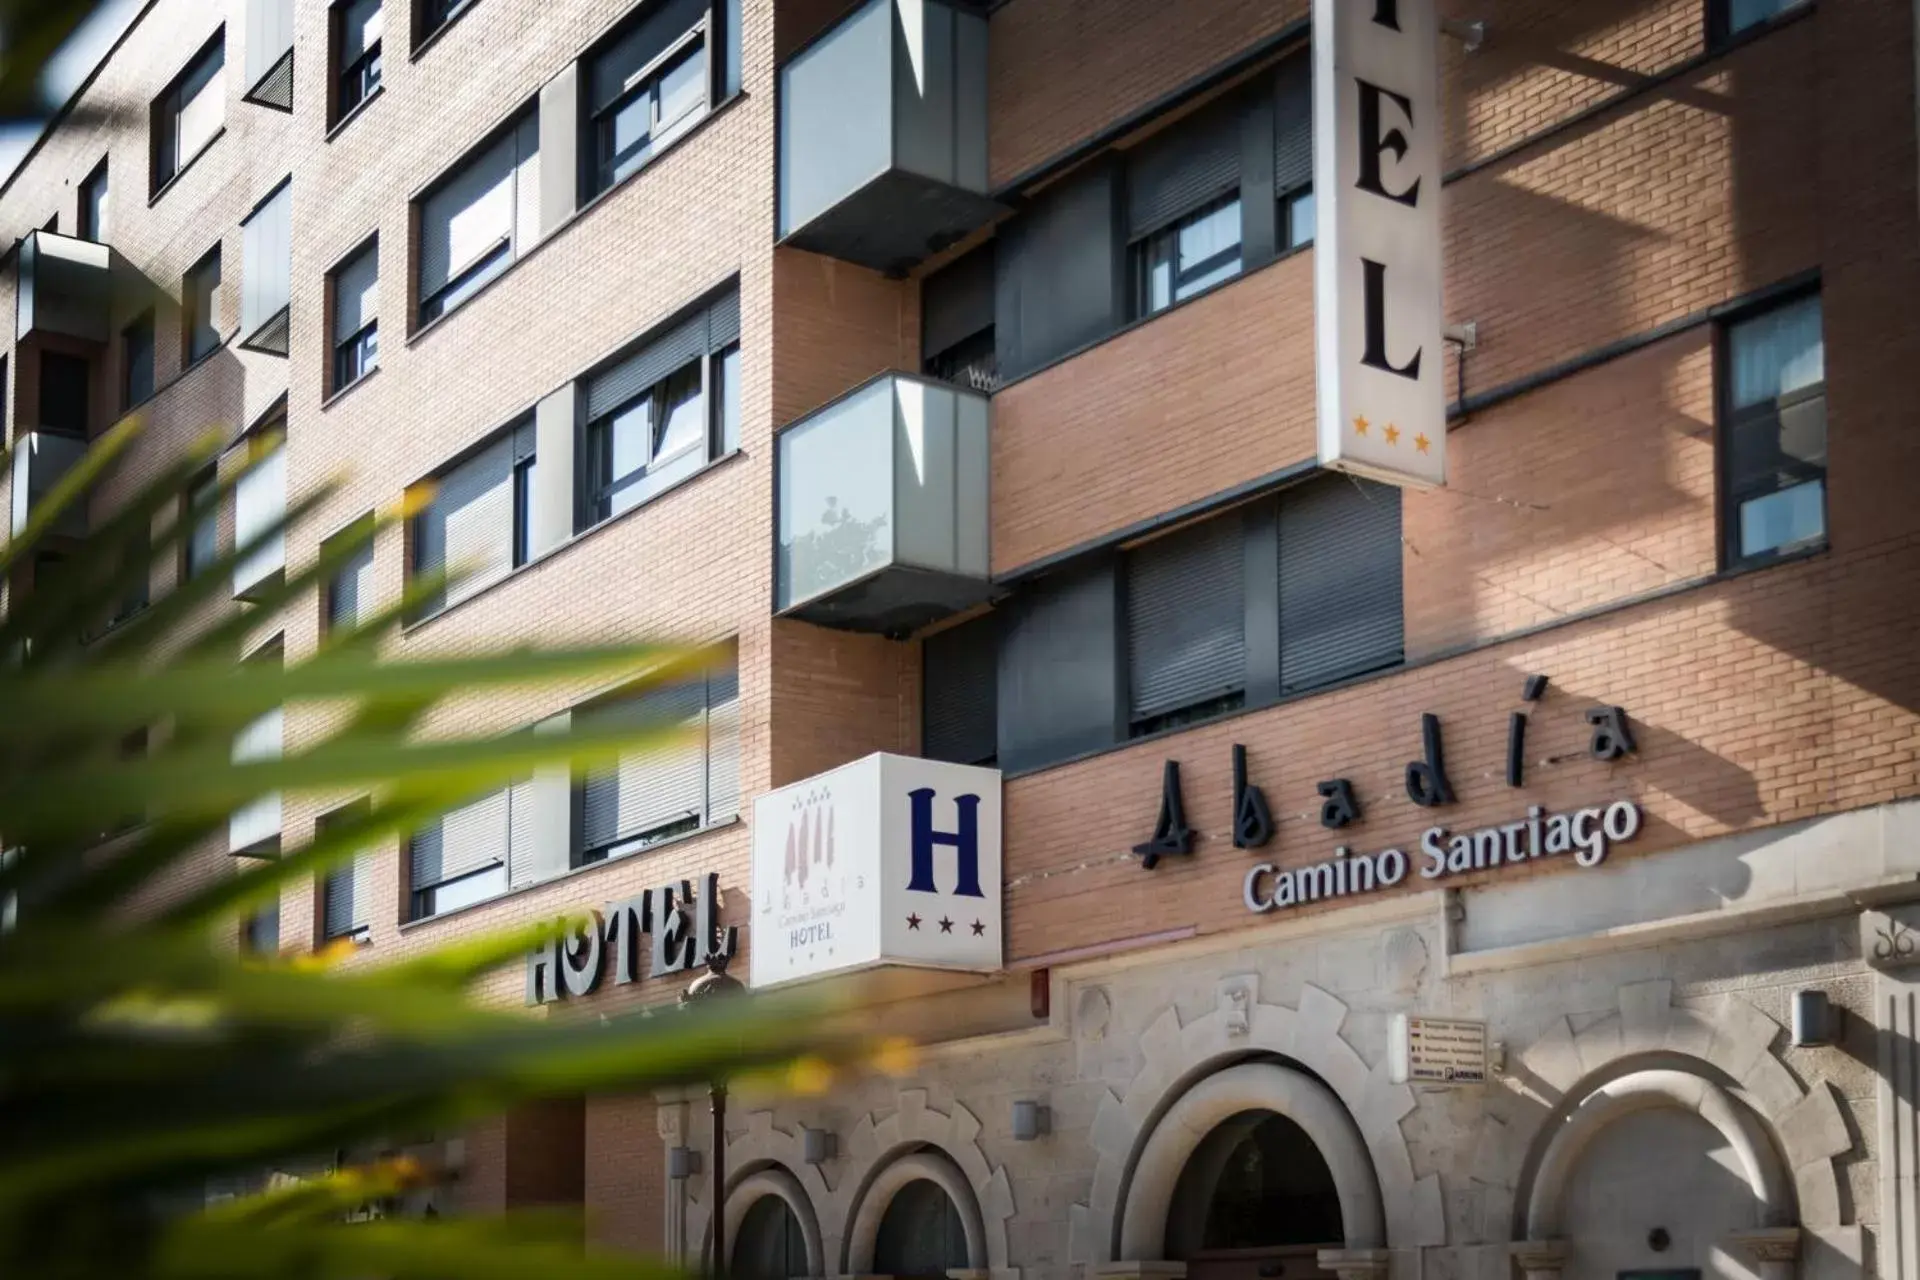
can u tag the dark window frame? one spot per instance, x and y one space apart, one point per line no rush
142 324
424 903
165 159
521 483
356 82
91 224
469 282
598 487
1732 554
1146 252
1720 29
431 17
602 167
200 508
358 354
190 303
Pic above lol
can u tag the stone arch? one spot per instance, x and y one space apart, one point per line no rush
1249 1086
871 1201
1239 1029
1719 1055
920 1123
1648 1090
762 1149
744 1191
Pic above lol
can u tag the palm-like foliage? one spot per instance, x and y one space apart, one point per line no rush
140 1057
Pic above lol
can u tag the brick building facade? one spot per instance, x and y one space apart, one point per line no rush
633 290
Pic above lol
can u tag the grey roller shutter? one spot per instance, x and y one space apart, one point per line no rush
1339 580
269 38
461 841
1059 678
1183 168
1058 282
1293 125
1186 618
266 240
723 743
656 786
351 594
468 528
960 689
616 66
956 301
349 897
723 321
356 294
521 813
491 198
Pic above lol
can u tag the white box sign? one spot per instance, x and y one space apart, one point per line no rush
890 860
1436 1050
1376 282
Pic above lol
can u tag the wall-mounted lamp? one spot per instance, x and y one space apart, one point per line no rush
1815 1020
1031 1120
682 1163
817 1146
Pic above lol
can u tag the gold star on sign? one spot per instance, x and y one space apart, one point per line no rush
1421 442
1360 425
1393 434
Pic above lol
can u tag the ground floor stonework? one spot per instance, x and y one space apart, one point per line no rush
1227 1107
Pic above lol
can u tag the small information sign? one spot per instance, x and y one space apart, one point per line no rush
1437 1050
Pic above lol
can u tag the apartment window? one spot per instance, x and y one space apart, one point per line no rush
200 306
136 346
475 524
1186 626
690 781
349 591
190 113
465 856
959 689
356 316
1776 431
648 418
478 218
269 60
435 14
1293 151
346 895
259 515
202 545
64 382
1183 207
957 322
1728 18
647 85
1194 254
93 205
357 27
260 934
266 242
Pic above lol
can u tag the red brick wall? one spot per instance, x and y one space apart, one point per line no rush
625 1177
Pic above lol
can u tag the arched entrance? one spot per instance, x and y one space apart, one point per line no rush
917 1218
1251 1171
772 1231
1256 1199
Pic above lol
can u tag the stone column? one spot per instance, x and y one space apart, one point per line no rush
1774 1250
1541 1259
1356 1264
672 1123
1890 944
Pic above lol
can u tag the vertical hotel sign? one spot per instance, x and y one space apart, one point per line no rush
1376 182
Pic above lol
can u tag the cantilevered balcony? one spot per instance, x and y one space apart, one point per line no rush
883 507
883 135
65 287
40 458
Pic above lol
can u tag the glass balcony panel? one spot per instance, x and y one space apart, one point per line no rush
836 505
835 119
65 287
39 460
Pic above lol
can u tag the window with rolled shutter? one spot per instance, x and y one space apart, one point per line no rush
461 841
1187 165
659 787
480 217
1186 623
350 592
1340 580
269 42
259 505
1293 125
468 529
348 899
960 690
266 242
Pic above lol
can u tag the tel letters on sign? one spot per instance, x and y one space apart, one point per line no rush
1376 180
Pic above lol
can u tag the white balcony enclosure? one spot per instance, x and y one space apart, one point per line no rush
891 862
40 458
66 287
883 507
883 135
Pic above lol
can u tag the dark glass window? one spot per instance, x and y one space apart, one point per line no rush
451 895
920 1234
524 472
1256 1182
202 545
658 435
358 25
261 935
200 302
93 205
137 369
64 395
1775 444
770 1244
356 320
190 113
1728 18
645 86
435 14
1195 253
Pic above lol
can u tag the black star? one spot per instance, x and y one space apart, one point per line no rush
946 925
913 922
978 929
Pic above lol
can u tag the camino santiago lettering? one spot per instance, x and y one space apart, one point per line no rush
1585 833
